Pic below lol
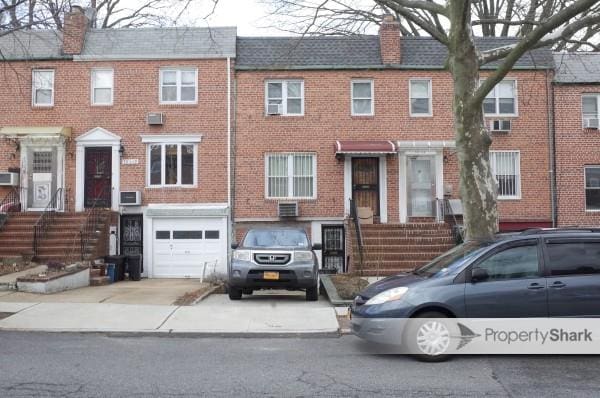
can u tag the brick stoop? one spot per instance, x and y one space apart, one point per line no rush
392 248
60 242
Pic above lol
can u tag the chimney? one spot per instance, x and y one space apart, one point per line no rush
74 28
389 40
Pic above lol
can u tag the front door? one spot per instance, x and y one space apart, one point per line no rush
365 183
98 171
131 235
333 247
421 186
41 178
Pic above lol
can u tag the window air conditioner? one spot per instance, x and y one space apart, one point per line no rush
287 209
131 198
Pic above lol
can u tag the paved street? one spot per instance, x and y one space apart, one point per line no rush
92 365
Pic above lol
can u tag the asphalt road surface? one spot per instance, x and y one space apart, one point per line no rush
84 365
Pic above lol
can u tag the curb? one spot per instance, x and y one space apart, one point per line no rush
175 334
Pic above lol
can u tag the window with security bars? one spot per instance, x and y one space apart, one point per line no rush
506 170
42 162
290 175
592 188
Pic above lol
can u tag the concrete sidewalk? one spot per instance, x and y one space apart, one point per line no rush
266 314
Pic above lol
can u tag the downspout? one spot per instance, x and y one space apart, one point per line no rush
229 190
552 146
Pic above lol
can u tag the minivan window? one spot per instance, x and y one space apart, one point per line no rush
276 238
574 258
512 263
452 259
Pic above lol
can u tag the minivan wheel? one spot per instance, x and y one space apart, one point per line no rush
235 293
428 337
312 293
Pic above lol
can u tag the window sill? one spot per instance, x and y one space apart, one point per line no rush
421 116
508 198
171 187
371 116
290 199
179 105
275 117
101 105
42 107
592 211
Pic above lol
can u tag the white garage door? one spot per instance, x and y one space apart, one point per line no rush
181 246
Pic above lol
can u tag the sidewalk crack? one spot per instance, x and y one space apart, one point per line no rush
167 318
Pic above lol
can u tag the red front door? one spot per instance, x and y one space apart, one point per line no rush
98 170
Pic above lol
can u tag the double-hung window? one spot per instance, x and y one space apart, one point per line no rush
172 160
501 100
42 87
102 86
362 97
590 106
178 86
506 169
592 188
284 97
420 97
291 175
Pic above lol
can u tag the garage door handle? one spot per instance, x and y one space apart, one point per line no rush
557 285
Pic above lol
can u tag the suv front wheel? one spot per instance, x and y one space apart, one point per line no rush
312 293
235 293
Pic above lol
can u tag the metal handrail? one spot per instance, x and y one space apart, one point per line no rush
358 230
45 220
446 210
8 204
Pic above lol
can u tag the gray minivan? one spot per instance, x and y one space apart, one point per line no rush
536 273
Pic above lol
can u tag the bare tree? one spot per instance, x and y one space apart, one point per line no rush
28 14
454 23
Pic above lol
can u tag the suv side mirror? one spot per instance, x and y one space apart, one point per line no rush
234 246
479 275
317 246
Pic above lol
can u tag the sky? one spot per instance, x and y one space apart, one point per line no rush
248 15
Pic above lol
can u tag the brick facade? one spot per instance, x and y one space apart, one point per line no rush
576 148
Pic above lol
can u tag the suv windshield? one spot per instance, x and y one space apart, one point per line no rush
451 260
276 238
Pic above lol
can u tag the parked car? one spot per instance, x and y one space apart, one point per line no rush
274 258
536 273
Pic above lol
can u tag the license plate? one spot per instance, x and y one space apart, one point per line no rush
271 275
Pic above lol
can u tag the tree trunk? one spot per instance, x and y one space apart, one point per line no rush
477 184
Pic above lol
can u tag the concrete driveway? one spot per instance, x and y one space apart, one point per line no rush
144 292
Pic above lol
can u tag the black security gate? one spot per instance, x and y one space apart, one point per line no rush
131 235
333 248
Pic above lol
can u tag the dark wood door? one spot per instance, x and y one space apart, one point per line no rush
365 183
98 170
333 247
132 235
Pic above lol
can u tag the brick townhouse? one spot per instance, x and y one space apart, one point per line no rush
322 120
133 120
576 121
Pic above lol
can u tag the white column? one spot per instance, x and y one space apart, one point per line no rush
79 172
347 184
439 178
383 205
402 186
60 170
116 173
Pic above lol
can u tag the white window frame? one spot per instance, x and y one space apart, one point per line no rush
93 86
179 141
597 115
34 89
284 96
178 71
290 176
372 97
497 100
585 188
518 175
429 83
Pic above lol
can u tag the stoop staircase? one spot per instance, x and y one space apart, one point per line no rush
392 248
61 242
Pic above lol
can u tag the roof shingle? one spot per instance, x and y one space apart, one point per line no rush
579 67
32 44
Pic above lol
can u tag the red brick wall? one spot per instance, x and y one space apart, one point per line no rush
136 93
575 149
327 118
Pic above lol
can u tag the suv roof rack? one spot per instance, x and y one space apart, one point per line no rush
539 231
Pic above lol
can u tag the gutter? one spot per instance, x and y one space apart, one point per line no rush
368 67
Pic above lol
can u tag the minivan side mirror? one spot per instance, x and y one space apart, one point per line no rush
479 275
234 246
317 246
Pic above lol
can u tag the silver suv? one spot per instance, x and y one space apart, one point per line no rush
269 258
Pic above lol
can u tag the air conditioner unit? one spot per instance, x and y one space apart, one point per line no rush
131 198
500 126
11 179
274 109
591 123
287 209
155 118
